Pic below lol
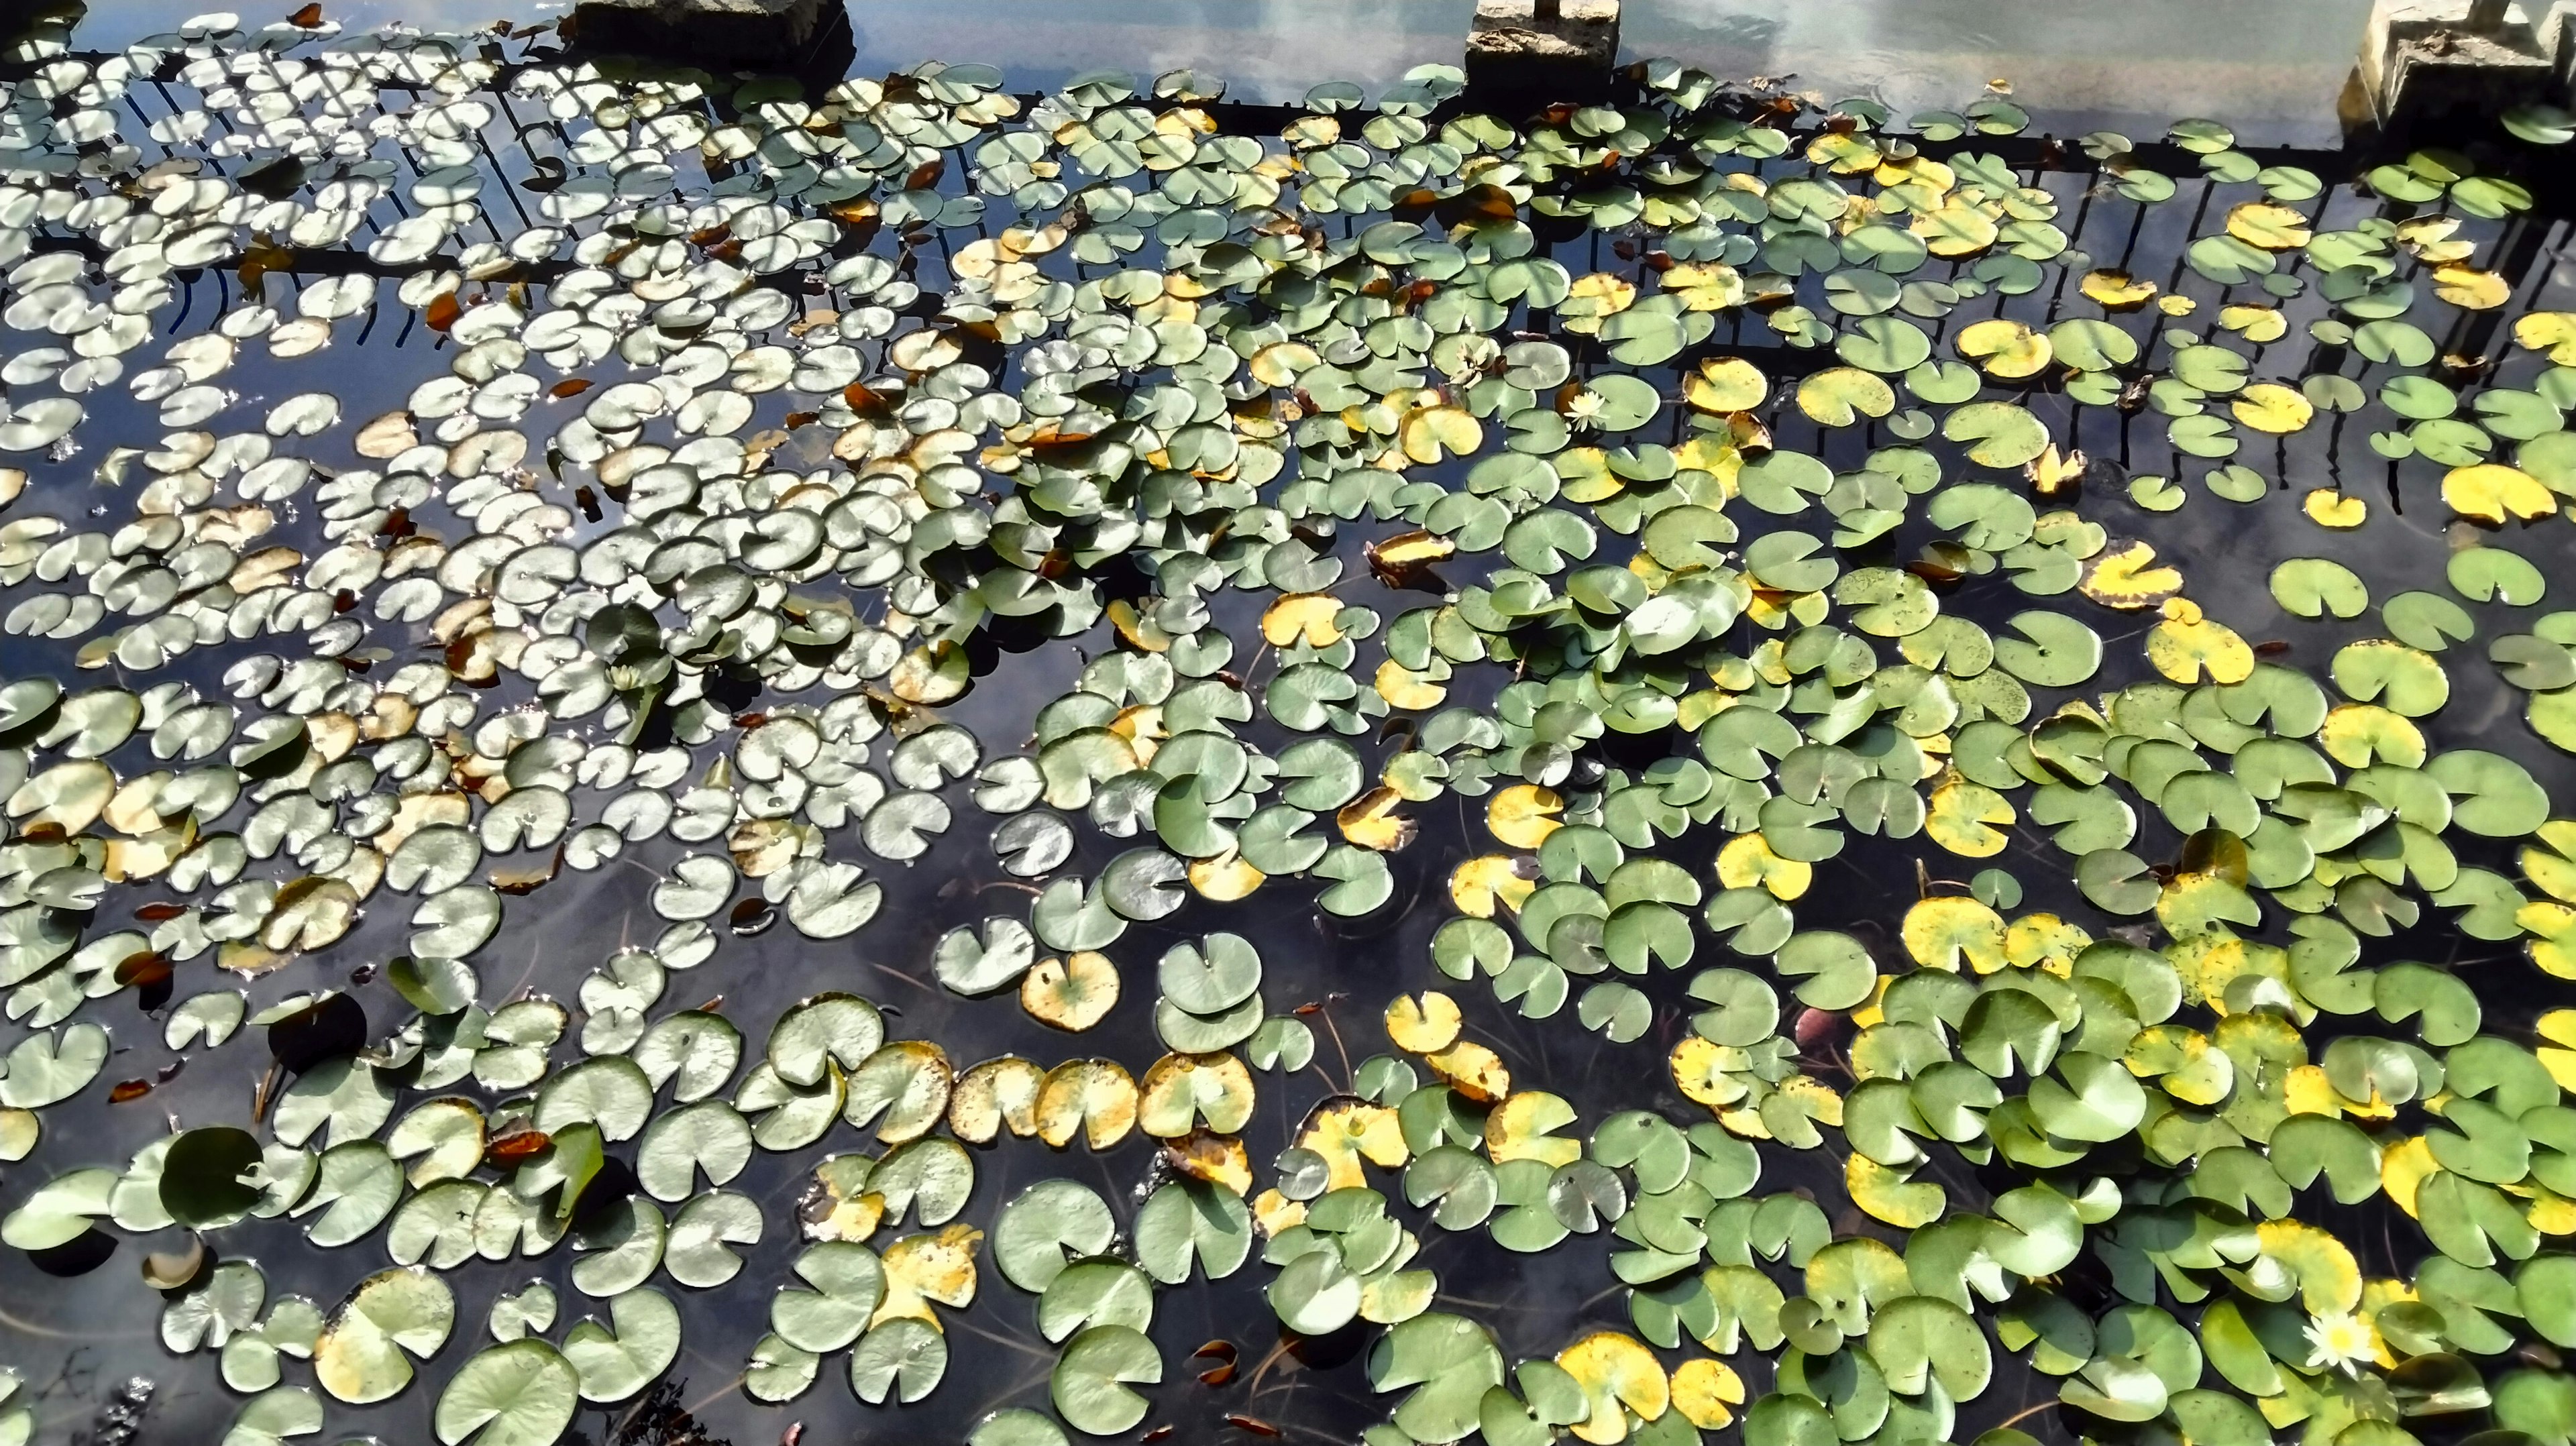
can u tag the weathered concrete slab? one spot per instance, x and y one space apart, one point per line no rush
714 34
1542 50
40 29
2429 63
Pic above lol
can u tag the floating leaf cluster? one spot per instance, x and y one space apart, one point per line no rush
1627 480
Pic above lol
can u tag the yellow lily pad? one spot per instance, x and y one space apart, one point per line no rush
1093 1098
1488 882
1522 1128
1890 1195
1706 1073
2328 1275
1703 1390
2005 348
1072 993
1371 821
1958 228
1705 285
2261 325
2126 575
1399 561
2186 644
2327 507
1594 296
1943 932
1523 815
1618 1375
840 1206
2053 473
1307 615
2273 408
1182 1090
1436 432
1404 688
1472 1070
996 1095
2470 289
2553 332
2403 1169
1748 861
1964 818
1423 1024
2493 492
2558 1056
2271 227
1225 878
923 1269
1347 1132
2116 290
1275 1212
1219 1160
1727 384
2358 735
2552 945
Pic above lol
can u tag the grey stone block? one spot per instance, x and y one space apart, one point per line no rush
1542 50
41 29
2427 62
717 34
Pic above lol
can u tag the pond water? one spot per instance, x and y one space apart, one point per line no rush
820 512
2274 72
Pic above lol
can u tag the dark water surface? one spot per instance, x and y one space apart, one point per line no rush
72 1336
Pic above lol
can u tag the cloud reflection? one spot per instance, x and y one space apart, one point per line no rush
2270 72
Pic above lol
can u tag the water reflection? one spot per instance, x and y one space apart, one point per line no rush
2274 72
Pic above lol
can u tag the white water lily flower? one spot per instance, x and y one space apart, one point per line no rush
2341 1340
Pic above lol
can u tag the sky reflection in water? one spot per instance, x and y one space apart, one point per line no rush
2273 72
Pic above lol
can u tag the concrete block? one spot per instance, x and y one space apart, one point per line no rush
40 31
715 34
1542 50
2426 63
